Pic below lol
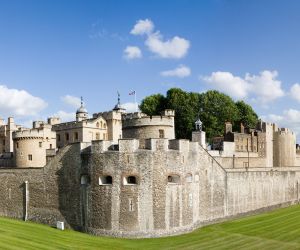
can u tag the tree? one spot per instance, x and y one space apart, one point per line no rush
153 104
214 108
247 116
217 108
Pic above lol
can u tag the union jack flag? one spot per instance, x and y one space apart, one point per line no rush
132 93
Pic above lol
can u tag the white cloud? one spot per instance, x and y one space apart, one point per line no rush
72 101
130 107
263 87
19 102
142 27
176 47
289 118
132 52
65 116
181 71
228 83
295 92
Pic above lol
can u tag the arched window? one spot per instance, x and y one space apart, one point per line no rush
105 180
189 178
97 125
130 180
174 179
197 178
104 125
84 180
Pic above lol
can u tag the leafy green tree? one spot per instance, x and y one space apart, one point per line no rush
214 108
186 107
247 116
153 104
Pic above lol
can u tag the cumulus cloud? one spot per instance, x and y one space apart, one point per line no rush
132 52
264 87
295 92
181 71
176 47
289 118
228 83
19 102
65 116
72 101
142 27
130 107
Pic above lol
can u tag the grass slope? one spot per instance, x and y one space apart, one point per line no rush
279 229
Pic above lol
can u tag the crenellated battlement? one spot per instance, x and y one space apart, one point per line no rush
27 134
133 145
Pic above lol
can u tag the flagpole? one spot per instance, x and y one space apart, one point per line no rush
136 108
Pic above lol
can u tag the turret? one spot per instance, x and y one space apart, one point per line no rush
81 113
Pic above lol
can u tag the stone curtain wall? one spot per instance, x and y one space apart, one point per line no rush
68 189
53 190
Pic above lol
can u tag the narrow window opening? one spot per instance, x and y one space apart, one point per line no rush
30 157
105 180
130 180
174 179
161 133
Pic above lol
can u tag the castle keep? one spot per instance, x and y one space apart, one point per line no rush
125 174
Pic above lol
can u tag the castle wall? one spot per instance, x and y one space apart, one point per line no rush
54 191
178 187
261 188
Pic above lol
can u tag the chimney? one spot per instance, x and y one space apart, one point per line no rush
228 127
242 128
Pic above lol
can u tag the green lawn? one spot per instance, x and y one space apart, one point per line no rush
279 229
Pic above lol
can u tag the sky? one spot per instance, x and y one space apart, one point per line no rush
53 52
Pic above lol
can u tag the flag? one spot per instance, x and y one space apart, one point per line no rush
132 93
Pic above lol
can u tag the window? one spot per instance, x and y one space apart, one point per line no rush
161 133
174 179
104 125
50 146
131 207
97 125
3 142
190 200
189 178
17 145
97 136
84 180
29 157
105 180
58 137
40 144
67 136
76 136
130 180
197 178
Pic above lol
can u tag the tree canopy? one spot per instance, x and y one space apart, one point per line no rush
213 108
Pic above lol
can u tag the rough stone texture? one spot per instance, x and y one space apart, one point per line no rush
68 189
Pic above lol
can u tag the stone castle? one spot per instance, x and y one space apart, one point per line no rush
125 175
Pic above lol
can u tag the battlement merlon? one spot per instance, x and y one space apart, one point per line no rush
31 133
133 145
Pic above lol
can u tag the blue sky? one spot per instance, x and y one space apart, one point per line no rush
57 51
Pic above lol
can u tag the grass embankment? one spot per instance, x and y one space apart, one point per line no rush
279 229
